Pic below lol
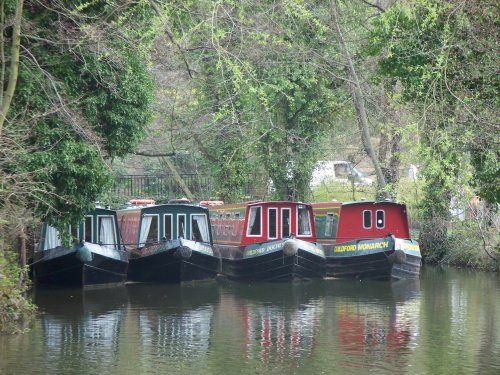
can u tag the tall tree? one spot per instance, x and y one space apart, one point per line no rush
83 96
442 57
6 97
359 101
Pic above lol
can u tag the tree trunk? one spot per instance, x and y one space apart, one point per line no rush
358 99
14 63
22 258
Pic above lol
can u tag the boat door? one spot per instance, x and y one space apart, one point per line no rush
286 222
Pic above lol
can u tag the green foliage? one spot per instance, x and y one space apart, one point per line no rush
118 103
16 310
486 162
77 103
440 57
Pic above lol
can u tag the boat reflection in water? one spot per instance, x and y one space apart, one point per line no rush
175 324
377 322
278 323
80 328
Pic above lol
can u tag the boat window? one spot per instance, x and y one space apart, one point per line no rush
329 225
367 219
181 226
303 221
106 227
380 214
272 223
285 222
237 215
87 229
167 227
149 230
52 238
254 221
199 228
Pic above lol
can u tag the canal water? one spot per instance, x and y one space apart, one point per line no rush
448 322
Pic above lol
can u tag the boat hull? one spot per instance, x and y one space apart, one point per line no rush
374 259
174 262
65 267
272 262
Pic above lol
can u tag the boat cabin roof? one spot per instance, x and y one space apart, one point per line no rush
258 221
99 226
141 226
342 222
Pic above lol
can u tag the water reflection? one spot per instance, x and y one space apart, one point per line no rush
80 326
174 323
446 323
277 323
377 323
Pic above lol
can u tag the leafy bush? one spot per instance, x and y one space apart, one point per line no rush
16 310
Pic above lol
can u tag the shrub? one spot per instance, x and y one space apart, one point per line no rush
16 310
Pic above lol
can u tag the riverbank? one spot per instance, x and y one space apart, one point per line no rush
16 308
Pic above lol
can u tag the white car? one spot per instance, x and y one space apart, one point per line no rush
338 170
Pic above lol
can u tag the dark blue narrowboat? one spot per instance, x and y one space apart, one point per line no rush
96 256
168 242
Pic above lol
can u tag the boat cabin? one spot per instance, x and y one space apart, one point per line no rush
341 222
145 225
99 227
257 222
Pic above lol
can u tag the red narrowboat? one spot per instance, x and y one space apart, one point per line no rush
267 241
367 240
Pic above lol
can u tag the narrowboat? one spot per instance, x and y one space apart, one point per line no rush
267 241
367 240
168 242
96 256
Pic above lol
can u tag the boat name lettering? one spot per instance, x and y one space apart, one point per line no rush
266 249
372 245
409 246
362 246
342 248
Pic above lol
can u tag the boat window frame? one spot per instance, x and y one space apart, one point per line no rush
178 225
297 220
207 221
275 209
329 225
157 231
289 222
171 226
84 228
383 219
371 219
115 233
248 231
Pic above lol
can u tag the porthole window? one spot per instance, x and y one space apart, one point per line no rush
380 215
367 219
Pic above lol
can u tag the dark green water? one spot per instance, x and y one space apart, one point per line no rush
448 322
